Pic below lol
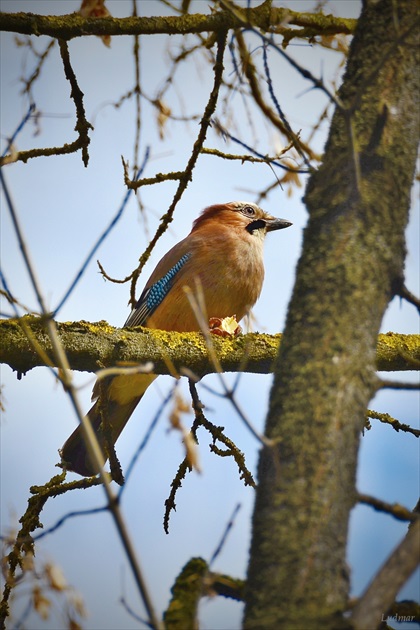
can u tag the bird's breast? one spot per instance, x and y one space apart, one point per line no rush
226 275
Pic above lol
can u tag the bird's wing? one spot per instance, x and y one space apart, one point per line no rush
160 283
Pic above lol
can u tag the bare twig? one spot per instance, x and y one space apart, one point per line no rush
381 593
94 449
396 510
217 435
396 425
150 181
223 539
146 438
278 120
82 125
388 384
253 151
19 128
247 21
101 239
187 174
401 290
243 158
41 60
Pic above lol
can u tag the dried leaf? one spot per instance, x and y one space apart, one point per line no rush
76 600
96 9
55 577
163 114
226 327
41 603
28 563
180 406
191 451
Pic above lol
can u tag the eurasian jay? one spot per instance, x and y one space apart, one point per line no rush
224 254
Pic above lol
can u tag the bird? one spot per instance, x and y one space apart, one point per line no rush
223 253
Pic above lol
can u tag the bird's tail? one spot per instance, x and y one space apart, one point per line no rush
117 400
74 453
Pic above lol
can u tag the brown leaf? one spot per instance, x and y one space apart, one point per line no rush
96 9
41 603
224 327
55 577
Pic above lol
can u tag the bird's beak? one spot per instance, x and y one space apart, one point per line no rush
272 223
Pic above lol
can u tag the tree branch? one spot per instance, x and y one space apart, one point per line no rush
372 607
264 17
91 346
82 125
396 510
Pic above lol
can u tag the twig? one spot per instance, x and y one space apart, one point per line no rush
137 91
218 435
223 539
150 181
388 384
14 303
384 587
396 425
399 512
82 125
69 515
175 485
102 237
41 60
187 174
24 156
317 83
19 128
401 290
94 449
134 615
224 585
243 158
279 119
146 438
227 134
294 137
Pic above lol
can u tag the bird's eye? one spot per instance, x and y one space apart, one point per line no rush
248 211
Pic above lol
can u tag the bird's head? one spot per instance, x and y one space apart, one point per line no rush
241 215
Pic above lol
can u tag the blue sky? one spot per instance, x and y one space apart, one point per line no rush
64 207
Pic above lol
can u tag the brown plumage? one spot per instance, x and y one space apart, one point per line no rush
223 256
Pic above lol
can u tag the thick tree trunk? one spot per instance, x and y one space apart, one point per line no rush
353 256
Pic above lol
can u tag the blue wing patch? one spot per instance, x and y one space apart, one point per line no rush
154 295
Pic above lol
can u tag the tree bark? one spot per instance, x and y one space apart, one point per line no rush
353 257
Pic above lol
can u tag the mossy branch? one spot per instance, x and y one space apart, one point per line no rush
91 346
194 582
264 17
